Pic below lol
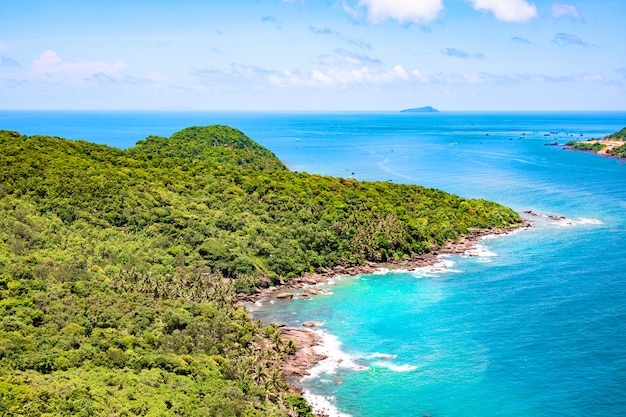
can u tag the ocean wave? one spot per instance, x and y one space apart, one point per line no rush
323 405
565 221
481 252
442 267
335 357
393 367
377 355
583 220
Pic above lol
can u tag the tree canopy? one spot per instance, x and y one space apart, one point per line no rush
119 269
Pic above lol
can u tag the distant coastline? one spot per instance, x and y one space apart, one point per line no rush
613 145
425 109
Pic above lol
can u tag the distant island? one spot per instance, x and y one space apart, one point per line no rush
426 109
612 145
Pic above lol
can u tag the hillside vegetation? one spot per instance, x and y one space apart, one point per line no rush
119 269
608 145
621 135
619 152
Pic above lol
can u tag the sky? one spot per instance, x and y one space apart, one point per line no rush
313 55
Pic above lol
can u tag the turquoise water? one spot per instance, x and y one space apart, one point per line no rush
533 325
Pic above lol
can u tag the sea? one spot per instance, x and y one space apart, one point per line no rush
528 324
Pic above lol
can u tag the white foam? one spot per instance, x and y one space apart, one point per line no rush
567 222
583 220
480 251
335 357
377 355
323 405
393 367
442 267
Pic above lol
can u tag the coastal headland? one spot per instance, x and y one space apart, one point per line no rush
613 145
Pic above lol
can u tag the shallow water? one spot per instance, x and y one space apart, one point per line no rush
534 324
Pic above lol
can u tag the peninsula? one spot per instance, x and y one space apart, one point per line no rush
426 109
120 269
613 145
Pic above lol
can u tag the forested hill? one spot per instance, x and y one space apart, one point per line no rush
118 269
215 144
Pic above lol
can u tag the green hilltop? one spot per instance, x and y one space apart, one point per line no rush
119 269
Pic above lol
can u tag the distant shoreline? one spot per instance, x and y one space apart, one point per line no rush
608 147
612 146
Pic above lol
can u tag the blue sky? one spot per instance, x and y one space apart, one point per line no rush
313 54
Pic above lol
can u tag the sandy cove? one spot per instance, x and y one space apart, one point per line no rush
306 357
609 145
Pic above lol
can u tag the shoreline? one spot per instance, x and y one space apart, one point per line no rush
464 244
310 342
606 151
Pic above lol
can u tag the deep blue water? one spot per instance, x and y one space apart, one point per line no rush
535 325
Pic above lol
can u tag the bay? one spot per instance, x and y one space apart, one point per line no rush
533 325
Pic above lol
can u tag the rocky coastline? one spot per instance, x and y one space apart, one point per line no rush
296 365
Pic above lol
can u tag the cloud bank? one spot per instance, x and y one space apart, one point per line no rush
331 78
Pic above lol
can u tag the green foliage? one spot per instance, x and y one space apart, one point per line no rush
119 269
219 145
621 135
299 404
619 152
586 146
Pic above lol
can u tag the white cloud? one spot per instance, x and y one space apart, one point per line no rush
450 78
559 10
340 78
458 53
257 77
50 70
507 10
404 11
566 39
342 56
51 65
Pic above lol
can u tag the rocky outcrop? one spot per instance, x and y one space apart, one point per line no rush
305 357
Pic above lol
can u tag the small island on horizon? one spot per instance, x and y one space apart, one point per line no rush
425 109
